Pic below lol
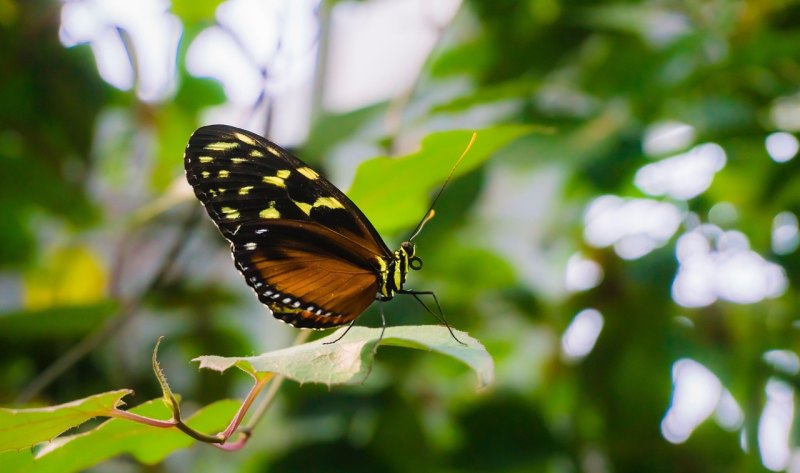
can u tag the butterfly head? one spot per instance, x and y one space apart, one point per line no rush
410 249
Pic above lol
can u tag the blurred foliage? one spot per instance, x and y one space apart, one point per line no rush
81 159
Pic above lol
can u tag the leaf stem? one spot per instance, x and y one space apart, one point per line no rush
167 424
269 397
248 401
219 440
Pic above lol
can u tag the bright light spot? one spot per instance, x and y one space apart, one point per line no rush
794 462
255 23
720 265
259 45
783 360
581 335
683 176
745 277
667 137
214 53
113 63
634 226
582 273
378 48
663 27
775 425
784 233
690 244
80 23
723 214
785 113
695 395
153 33
728 414
782 146
263 53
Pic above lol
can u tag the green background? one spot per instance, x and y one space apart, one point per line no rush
82 266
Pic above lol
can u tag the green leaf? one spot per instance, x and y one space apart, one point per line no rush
332 128
20 428
514 90
147 444
57 322
393 193
348 360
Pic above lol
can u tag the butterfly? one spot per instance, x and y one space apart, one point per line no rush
309 253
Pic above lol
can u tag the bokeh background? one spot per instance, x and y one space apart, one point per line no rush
633 270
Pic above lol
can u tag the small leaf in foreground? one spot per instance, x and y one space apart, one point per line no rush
349 360
147 444
20 428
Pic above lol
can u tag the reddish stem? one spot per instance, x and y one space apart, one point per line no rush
248 401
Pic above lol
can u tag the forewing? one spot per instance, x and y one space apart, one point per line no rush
242 178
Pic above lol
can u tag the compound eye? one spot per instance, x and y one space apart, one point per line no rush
409 248
415 263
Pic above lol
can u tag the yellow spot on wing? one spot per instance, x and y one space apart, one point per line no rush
245 190
222 145
270 212
306 208
274 180
256 154
273 150
237 160
245 138
308 172
283 173
205 174
230 213
206 159
328 202
224 173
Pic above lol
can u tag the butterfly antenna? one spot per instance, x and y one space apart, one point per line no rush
430 213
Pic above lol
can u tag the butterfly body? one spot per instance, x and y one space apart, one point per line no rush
304 247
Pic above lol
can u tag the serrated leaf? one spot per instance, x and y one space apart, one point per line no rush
20 428
149 445
400 205
349 360
166 391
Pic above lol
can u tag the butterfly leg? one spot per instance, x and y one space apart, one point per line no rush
440 316
383 327
342 335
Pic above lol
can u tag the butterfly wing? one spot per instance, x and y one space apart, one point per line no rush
309 253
